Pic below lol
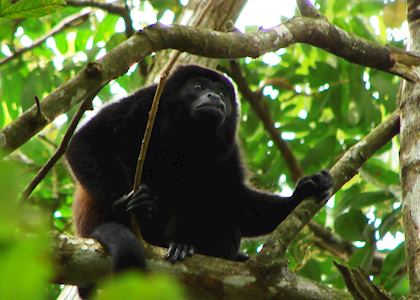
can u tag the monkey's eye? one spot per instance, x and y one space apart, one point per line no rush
221 94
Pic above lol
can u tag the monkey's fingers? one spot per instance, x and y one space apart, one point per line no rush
144 200
178 252
187 251
143 189
173 253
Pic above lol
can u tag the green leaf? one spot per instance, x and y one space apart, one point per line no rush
321 151
351 225
340 6
311 270
381 172
24 257
362 257
138 286
4 4
393 262
389 221
367 8
359 199
30 8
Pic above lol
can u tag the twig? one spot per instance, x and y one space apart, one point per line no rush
343 170
60 150
155 104
129 30
296 170
109 7
116 9
150 122
73 20
255 100
39 113
307 9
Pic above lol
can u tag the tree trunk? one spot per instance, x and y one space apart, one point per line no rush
410 158
220 12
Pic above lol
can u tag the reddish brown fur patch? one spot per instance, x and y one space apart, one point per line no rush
87 212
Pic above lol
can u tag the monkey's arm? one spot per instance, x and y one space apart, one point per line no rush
263 212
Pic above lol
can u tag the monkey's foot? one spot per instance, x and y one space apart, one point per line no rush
178 252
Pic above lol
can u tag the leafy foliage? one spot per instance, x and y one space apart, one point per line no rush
29 8
321 104
136 286
24 251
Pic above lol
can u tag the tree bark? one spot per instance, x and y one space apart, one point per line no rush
208 43
215 18
203 277
410 158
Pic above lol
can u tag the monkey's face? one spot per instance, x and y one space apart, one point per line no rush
207 100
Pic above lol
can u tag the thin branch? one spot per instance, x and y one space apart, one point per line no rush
155 104
146 138
359 284
58 153
38 108
109 7
86 104
343 170
151 121
255 99
116 9
343 249
129 30
307 9
71 21
210 43
326 239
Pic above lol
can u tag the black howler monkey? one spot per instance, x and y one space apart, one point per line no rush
194 197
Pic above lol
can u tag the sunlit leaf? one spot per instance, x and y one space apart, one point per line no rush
30 8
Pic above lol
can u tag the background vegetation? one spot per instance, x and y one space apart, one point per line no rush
321 103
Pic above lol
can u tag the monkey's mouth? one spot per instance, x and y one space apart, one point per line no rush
211 108
210 113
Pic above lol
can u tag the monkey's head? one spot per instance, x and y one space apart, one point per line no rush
207 96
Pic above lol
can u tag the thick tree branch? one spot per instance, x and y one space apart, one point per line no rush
343 170
316 32
73 20
324 238
204 277
205 42
238 280
328 239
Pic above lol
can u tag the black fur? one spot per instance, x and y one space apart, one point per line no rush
194 197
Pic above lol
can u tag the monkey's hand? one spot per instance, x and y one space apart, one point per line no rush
317 185
140 203
178 252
